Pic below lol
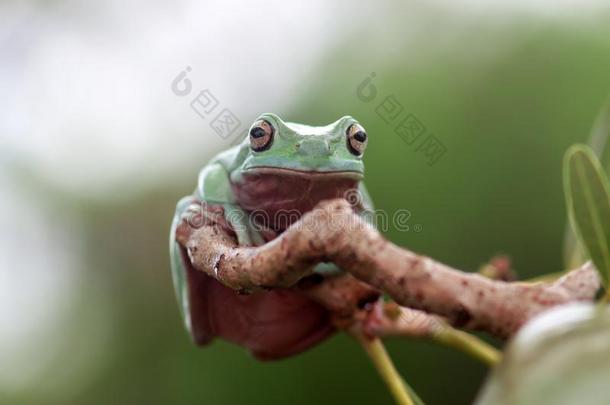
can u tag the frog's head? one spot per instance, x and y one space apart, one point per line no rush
276 146
287 166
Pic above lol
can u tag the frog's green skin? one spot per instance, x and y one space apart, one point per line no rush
296 149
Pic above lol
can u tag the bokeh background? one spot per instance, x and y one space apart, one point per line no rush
95 150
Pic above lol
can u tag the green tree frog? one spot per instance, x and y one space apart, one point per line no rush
256 190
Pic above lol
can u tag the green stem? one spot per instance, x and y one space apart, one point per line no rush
383 363
468 344
545 278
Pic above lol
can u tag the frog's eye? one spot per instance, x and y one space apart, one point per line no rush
261 135
356 139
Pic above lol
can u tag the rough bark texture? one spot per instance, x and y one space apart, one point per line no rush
333 233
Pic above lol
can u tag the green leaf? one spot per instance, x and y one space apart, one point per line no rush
599 138
587 193
600 144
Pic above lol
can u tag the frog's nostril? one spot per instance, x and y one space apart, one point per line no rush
314 147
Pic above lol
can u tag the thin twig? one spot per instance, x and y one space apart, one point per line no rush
388 320
383 363
468 344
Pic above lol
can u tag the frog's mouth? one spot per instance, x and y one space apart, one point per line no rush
283 171
275 191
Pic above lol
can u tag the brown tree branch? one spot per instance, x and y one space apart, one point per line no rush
333 233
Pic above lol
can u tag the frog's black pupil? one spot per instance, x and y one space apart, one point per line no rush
360 136
257 132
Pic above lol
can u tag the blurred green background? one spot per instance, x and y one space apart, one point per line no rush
505 89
